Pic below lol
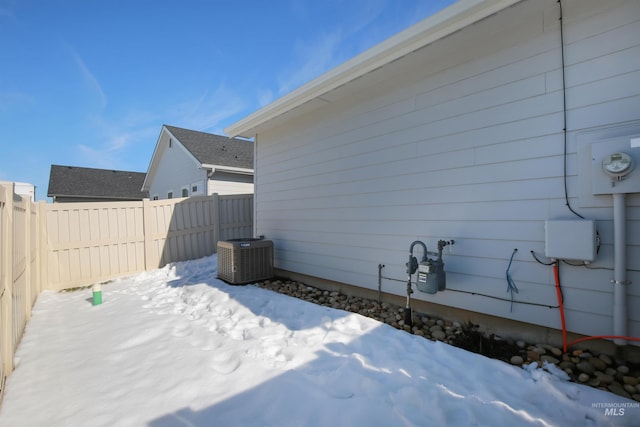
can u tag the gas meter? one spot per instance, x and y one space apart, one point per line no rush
424 269
431 274
428 277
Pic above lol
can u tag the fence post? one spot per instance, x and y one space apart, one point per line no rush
7 286
215 211
43 247
27 257
149 234
3 286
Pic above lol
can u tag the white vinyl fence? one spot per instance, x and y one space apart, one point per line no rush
19 271
65 245
90 242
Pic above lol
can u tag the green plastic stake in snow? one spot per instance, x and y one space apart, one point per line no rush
97 294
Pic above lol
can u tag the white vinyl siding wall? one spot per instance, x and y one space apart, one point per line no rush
230 183
463 142
176 169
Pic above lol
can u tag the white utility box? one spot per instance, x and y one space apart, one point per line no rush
573 239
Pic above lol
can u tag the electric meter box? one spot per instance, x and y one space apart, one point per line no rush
572 239
614 154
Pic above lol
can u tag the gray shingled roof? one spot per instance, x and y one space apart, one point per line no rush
212 149
72 181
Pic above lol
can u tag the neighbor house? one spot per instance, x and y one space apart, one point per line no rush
188 163
486 124
76 184
23 189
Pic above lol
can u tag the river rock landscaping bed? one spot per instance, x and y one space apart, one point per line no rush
581 366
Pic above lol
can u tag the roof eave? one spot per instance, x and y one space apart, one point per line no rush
222 168
446 22
89 196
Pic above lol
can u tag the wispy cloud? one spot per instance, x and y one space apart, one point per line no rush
209 110
6 13
265 96
11 100
312 58
334 46
89 79
115 142
7 8
98 157
367 14
107 153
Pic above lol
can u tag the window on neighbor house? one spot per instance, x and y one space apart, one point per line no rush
185 192
156 197
170 195
196 188
170 142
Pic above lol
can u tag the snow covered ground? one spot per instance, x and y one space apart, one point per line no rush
177 347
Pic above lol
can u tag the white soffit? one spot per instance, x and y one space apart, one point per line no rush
457 16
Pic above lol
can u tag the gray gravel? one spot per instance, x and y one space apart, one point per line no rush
582 366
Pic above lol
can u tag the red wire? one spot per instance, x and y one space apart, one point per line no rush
556 274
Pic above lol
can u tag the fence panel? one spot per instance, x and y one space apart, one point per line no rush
179 229
236 216
20 285
5 318
33 256
18 263
91 242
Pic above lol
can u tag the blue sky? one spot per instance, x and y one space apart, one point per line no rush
90 83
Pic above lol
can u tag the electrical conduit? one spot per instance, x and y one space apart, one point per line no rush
565 344
619 268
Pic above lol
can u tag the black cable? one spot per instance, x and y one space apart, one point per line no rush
574 265
482 295
564 111
503 299
589 267
395 280
539 261
557 263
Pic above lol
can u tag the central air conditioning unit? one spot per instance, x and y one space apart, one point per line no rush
243 261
